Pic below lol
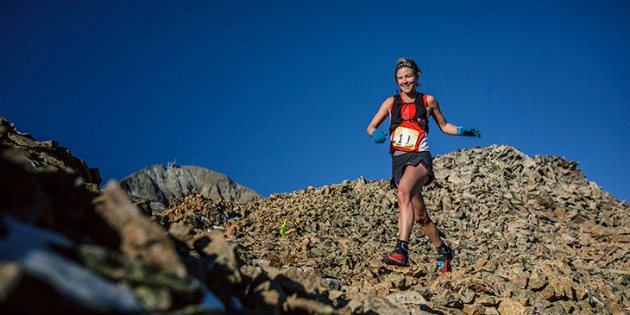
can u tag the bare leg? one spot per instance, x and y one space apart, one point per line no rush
412 208
422 217
410 185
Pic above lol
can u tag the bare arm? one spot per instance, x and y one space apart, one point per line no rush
380 116
434 110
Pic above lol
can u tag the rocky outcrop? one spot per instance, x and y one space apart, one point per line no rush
43 156
161 184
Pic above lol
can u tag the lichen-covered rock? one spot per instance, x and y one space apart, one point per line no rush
140 239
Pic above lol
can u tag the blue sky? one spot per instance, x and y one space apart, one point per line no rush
277 95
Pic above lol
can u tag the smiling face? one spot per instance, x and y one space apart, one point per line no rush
407 80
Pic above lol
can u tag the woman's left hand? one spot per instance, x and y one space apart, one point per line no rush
468 131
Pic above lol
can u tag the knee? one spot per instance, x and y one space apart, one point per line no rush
404 195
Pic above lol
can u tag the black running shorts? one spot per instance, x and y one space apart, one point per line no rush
400 161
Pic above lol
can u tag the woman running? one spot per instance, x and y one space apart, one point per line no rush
412 165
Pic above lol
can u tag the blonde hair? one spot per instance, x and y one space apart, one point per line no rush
409 63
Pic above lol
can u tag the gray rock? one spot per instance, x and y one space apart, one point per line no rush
407 297
161 184
33 250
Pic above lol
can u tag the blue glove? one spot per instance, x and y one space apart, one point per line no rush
468 131
379 136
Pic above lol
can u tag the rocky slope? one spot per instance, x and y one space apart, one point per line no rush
532 236
160 185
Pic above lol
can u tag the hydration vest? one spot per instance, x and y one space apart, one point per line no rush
409 123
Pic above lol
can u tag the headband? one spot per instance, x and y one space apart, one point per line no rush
404 64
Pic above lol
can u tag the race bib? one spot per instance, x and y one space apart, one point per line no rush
405 138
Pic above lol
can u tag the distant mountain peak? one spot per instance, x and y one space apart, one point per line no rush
161 184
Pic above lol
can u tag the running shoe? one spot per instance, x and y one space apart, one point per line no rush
445 266
446 255
398 259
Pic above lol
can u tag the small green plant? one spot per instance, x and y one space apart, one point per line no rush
286 261
284 228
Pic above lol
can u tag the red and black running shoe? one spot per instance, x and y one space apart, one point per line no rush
446 255
445 266
400 255
395 258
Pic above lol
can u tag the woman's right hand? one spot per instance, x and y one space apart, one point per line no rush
379 136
